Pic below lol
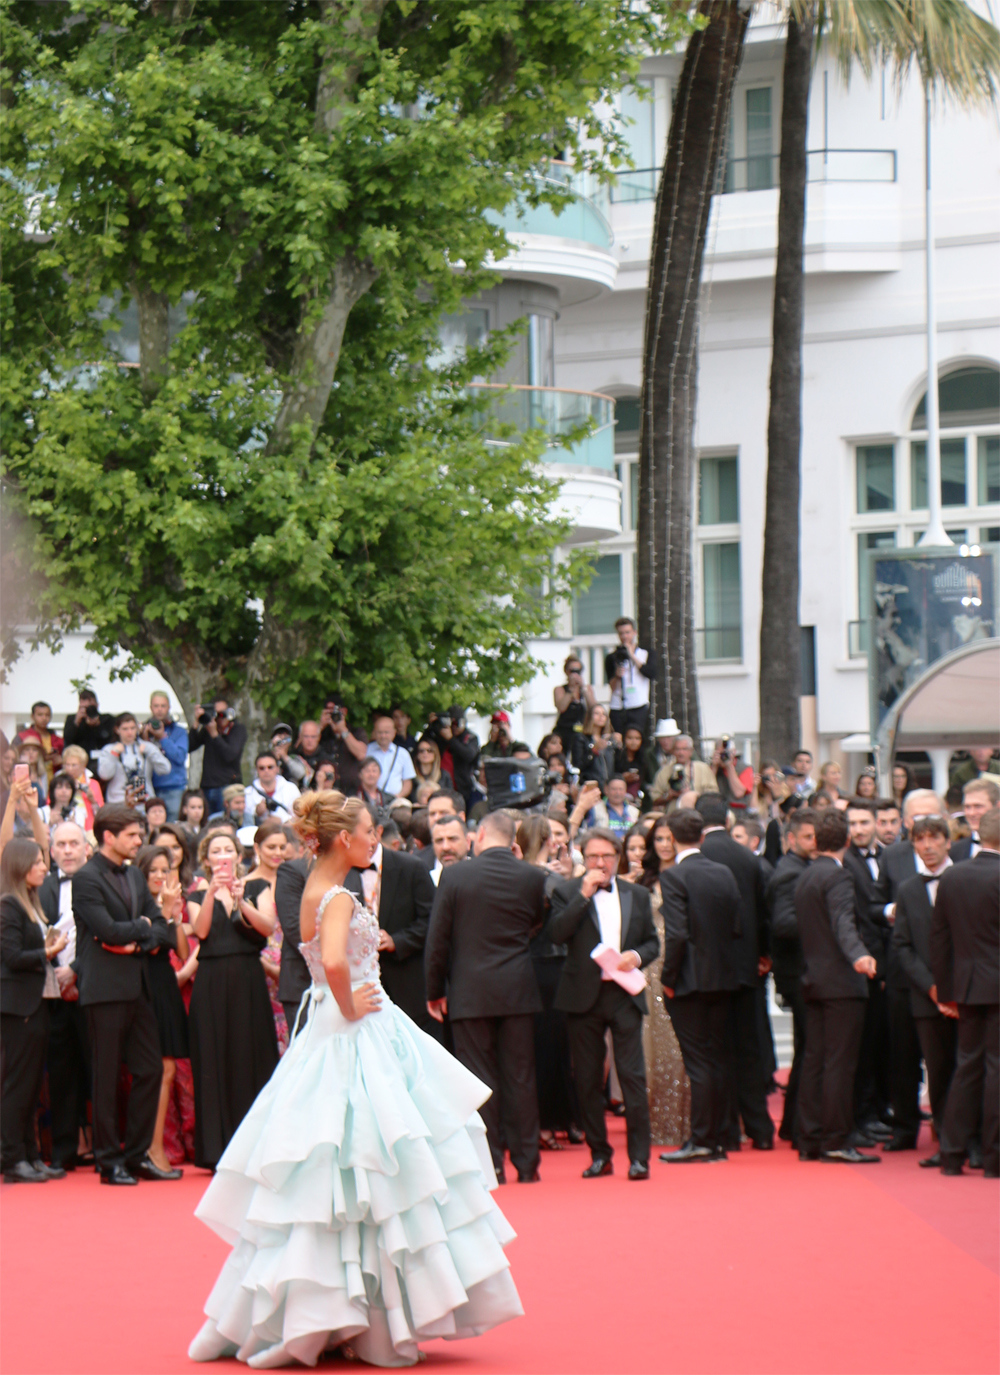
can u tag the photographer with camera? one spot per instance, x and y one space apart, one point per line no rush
269 795
89 728
308 748
630 671
683 774
224 741
459 750
171 739
128 766
344 745
574 700
498 746
292 767
734 785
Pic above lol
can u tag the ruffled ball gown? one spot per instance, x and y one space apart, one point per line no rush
355 1193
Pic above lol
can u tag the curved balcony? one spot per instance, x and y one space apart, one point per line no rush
569 248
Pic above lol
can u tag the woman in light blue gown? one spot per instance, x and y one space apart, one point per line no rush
355 1193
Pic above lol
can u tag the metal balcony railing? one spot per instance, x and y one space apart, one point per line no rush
559 413
718 644
761 173
581 218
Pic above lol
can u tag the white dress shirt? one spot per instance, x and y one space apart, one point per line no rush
395 766
633 687
609 920
923 870
66 922
371 882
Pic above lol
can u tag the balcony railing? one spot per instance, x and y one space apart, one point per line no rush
580 218
858 639
558 413
719 644
761 173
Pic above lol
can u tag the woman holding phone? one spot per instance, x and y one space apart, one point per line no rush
234 1048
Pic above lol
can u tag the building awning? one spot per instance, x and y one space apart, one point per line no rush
955 704
858 743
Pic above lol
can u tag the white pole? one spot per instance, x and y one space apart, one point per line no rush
935 533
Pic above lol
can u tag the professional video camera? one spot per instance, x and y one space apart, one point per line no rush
520 783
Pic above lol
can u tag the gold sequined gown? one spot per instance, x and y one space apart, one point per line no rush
667 1084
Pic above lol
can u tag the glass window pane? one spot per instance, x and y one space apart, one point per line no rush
627 424
721 588
759 171
640 134
989 468
953 488
989 534
718 491
457 333
596 610
876 488
970 396
633 484
871 539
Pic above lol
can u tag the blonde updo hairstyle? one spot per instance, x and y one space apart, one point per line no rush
320 817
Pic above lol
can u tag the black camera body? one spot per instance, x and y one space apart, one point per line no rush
91 712
620 655
726 753
677 778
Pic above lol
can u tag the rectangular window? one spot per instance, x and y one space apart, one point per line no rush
989 534
596 610
876 484
989 468
718 491
722 636
870 539
953 487
759 169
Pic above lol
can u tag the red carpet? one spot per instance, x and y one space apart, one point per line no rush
762 1265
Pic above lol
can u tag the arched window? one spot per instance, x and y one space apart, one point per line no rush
968 396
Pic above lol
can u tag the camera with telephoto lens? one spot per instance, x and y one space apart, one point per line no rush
620 655
726 751
677 778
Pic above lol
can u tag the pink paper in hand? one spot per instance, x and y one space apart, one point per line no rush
632 980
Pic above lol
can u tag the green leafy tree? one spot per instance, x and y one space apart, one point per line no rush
283 494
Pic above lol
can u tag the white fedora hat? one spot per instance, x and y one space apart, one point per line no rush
668 726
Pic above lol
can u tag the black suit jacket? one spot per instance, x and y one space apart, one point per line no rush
896 864
965 932
961 850
702 927
22 959
102 918
873 928
827 918
478 942
404 911
289 885
754 940
911 936
575 924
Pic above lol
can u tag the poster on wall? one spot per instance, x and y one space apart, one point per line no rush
925 605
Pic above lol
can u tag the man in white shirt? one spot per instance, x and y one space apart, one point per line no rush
269 794
396 771
630 672
617 813
68 1049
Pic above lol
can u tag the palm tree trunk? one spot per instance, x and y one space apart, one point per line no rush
780 662
697 140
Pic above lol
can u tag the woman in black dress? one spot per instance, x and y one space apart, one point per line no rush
573 700
164 990
234 1049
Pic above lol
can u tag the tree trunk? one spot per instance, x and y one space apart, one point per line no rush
697 140
154 337
780 654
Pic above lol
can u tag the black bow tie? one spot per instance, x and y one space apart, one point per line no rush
930 878
606 888
370 869
65 878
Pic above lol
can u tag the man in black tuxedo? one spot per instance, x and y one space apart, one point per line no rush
871 1083
68 1052
786 948
702 928
978 797
748 1093
937 1025
897 863
837 968
478 970
398 890
600 908
965 937
117 921
439 805
294 977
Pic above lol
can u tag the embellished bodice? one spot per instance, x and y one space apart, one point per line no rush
362 943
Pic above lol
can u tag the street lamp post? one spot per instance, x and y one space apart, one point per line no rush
935 534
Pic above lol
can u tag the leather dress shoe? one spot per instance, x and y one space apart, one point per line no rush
952 1167
638 1170
597 1168
901 1143
930 1162
148 1169
847 1155
528 1177
975 1160
24 1173
693 1155
575 1136
117 1174
877 1130
49 1171
808 1155
763 1145
617 1109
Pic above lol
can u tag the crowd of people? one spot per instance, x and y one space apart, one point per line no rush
605 951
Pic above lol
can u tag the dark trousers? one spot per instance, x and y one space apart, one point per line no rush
904 1064
124 1031
826 1089
501 1052
614 1010
748 1084
69 1076
939 1043
22 1068
871 1082
975 1086
291 1012
632 718
701 1021
788 982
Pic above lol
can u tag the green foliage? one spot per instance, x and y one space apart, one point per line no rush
171 154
